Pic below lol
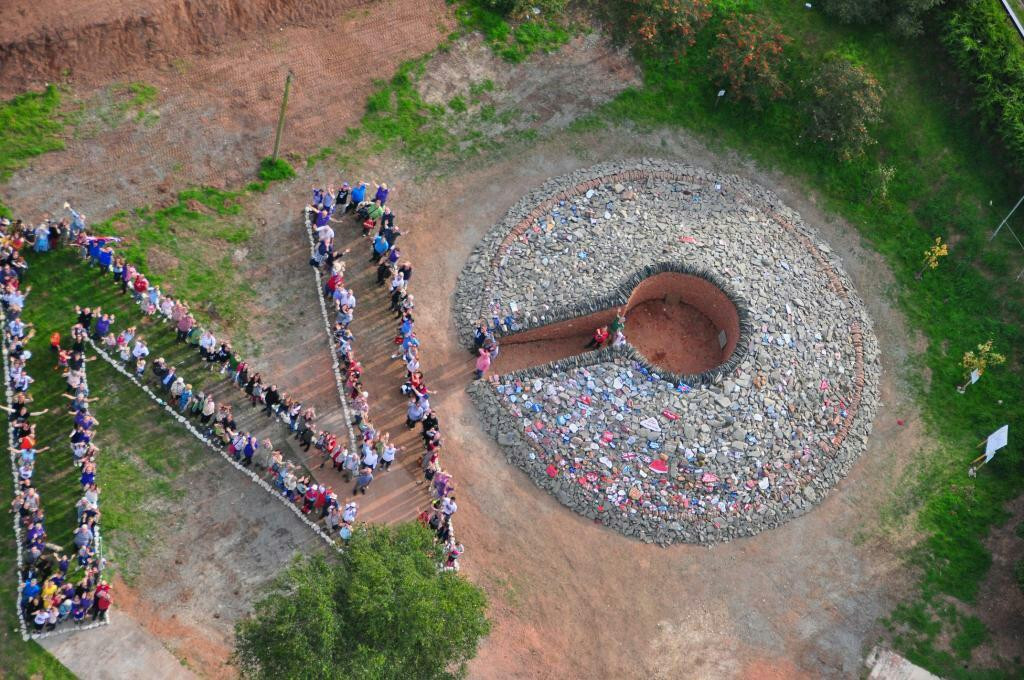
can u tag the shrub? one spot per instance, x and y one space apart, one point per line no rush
659 24
518 9
748 58
989 52
843 101
903 17
381 610
273 169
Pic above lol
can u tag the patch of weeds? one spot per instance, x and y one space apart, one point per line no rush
478 89
1018 573
140 96
275 169
487 113
1020 530
972 633
396 114
457 104
591 122
320 155
514 41
30 124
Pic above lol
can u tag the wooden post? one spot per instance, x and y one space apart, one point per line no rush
280 117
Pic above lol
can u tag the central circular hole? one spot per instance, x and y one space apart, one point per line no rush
681 323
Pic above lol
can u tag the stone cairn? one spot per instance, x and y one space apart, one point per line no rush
740 448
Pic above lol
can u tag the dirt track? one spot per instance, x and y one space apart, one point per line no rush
569 599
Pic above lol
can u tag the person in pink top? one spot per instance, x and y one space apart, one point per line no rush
483 362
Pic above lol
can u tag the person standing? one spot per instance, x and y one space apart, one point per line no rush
270 400
483 362
414 413
600 337
363 481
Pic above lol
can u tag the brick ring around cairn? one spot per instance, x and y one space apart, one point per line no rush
758 435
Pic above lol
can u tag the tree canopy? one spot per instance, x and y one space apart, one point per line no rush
382 609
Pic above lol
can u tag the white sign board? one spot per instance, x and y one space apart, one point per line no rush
996 441
975 374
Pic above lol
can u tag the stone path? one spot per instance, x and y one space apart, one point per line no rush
100 655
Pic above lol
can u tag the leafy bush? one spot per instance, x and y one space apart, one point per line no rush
904 17
843 101
522 8
382 610
670 25
273 169
989 51
748 59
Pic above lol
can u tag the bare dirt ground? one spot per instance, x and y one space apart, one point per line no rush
1002 599
574 600
569 598
218 110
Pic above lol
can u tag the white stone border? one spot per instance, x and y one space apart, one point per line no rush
330 335
206 440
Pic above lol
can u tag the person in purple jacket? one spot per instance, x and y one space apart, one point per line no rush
382 193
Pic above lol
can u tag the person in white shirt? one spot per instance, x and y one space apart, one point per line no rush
325 233
449 506
140 351
370 458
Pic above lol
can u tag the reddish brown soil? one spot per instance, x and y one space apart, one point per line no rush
675 336
99 39
218 109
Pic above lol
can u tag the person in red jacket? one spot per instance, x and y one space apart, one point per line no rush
103 601
140 286
600 337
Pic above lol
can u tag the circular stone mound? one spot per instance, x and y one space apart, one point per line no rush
764 411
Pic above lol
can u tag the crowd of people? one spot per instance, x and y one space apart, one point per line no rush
57 587
377 222
50 595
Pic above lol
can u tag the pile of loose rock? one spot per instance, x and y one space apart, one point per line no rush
661 457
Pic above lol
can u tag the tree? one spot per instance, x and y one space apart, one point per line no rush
903 17
843 102
672 24
382 610
748 59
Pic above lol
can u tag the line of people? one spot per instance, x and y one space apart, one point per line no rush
55 587
330 207
290 478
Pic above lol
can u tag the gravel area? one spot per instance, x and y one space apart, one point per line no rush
700 458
